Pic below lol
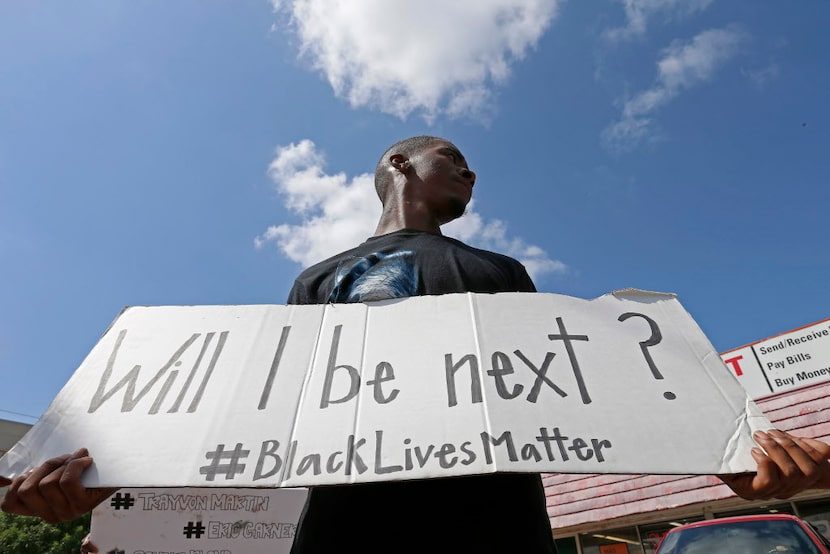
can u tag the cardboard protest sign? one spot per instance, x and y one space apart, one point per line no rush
423 387
198 521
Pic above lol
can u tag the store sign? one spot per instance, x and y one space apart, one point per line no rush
786 361
432 386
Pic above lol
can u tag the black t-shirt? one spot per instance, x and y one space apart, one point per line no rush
408 263
482 514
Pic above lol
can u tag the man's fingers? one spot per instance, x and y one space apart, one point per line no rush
49 491
798 464
30 499
761 485
47 467
87 547
63 489
73 489
810 462
80 499
767 479
822 449
11 501
787 466
820 452
740 484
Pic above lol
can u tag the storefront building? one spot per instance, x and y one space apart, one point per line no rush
788 376
10 433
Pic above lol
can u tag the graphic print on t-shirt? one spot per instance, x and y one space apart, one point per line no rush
378 276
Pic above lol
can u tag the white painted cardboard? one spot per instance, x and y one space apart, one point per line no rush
423 387
198 521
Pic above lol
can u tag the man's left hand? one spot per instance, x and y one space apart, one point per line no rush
789 466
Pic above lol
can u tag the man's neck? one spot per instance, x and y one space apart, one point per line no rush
395 220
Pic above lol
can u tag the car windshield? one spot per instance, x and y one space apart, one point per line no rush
741 537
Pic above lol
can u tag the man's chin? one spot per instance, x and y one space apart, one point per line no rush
457 209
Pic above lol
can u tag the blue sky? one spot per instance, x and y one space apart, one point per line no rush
203 152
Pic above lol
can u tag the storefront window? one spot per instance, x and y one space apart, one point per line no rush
612 541
566 545
816 512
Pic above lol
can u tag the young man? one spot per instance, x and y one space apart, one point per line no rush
423 183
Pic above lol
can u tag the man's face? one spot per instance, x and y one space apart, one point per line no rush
442 180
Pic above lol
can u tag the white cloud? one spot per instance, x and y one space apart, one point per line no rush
638 12
760 77
492 235
682 66
431 56
338 213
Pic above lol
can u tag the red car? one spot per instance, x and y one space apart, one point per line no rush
756 534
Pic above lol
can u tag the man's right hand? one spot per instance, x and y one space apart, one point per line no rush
53 491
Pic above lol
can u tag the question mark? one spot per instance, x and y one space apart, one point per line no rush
655 338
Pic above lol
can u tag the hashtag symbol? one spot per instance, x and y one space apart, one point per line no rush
231 468
125 501
193 529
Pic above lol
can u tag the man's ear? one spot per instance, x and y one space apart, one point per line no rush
399 162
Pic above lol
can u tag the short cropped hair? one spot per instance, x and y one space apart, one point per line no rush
408 147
